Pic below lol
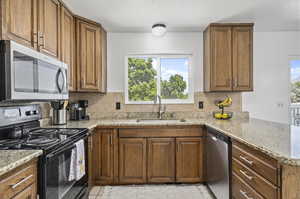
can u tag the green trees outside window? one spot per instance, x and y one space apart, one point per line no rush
143 76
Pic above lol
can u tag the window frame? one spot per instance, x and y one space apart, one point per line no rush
189 100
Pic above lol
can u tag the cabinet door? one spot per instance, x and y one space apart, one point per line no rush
68 45
89 56
161 160
103 156
132 160
221 55
104 61
242 58
49 27
189 159
28 193
20 21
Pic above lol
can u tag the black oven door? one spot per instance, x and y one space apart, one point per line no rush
56 183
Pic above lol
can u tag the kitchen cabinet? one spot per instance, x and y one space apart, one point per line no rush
132 160
254 174
20 183
242 58
68 45
49 27
148 155
28 193
189 160
89 56
19 21
161 160
228 57
103 156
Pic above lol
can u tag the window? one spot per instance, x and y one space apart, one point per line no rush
295 90
153 75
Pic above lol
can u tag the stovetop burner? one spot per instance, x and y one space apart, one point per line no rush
68 131
11 143
47 139
41 141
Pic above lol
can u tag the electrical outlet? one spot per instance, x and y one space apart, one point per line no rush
201 105
118 106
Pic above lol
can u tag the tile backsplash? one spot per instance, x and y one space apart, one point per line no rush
104 106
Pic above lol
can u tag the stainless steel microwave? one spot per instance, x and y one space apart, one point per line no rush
28 75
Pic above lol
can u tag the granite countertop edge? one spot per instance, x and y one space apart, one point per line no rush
13 160
91 124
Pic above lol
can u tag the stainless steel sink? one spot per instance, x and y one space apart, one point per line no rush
162 120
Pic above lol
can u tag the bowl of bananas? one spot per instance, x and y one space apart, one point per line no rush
222 114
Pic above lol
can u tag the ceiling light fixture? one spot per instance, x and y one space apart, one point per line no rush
159 30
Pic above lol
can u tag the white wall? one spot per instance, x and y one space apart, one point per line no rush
122 44
271 69
270 99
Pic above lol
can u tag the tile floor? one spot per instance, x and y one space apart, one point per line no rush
151 192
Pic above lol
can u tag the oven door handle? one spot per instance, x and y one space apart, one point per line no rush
58 152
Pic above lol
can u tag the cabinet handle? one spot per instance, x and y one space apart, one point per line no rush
21 182
246 175
41 36
246 160
235 83
35 39
229 82
110 140
245 194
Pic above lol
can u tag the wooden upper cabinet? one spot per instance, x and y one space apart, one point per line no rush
103 156
49 27
189 160
221 66
228 57
68 45
89 63
19 21
161 160
104 60
132 160
242 50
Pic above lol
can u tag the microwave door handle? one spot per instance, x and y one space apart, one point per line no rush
60 87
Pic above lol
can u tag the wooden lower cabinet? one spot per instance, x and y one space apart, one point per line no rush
103 157
255 175
28 193
132 156
189 160
132 160
20 183
161 160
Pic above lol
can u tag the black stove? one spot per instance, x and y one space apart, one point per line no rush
46 139
20 129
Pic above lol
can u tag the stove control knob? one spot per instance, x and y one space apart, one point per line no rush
28 113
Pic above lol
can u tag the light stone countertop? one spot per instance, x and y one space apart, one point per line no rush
11 159
280 141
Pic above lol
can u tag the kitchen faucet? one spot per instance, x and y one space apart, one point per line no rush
161 108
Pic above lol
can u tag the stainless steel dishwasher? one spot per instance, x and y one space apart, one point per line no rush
218 164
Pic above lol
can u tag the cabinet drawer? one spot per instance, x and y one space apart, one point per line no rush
241 190
261 185
17 182
257 161
178 131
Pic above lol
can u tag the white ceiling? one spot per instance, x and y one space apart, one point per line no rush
188 15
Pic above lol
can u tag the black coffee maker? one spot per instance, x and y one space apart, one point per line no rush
78 111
